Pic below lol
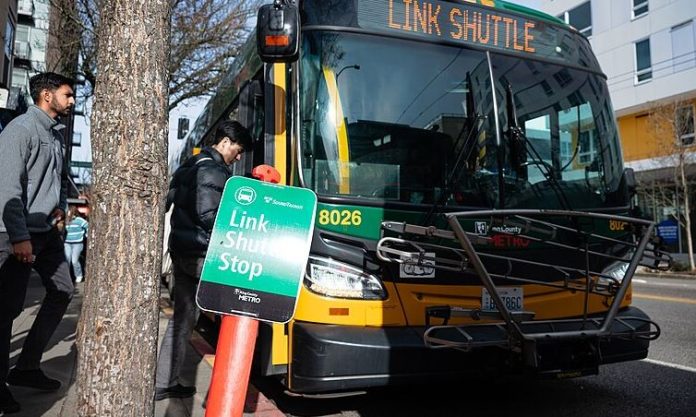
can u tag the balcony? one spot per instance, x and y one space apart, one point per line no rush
25 7
22 55
22 50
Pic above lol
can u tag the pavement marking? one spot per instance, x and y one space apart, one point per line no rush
670 365
663 298
664 284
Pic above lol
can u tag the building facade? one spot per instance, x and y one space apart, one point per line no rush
8 28
30 43
647 49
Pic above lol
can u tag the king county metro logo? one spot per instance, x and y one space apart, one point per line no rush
245 195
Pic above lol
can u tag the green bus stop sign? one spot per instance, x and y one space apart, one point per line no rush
258 250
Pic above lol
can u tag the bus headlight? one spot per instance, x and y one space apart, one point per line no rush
612 275
617 270
336 279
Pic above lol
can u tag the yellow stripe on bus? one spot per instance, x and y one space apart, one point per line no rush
280 149
341 132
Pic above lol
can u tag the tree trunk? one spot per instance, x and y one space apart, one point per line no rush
117 342
687 211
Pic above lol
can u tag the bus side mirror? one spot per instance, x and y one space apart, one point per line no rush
277 32
627 189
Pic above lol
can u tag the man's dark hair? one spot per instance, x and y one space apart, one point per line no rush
235 131
47 81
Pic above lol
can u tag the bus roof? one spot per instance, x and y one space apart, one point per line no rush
514 7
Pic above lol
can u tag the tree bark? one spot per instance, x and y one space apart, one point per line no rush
117 334
687 210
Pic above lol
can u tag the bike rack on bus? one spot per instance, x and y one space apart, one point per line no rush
560 230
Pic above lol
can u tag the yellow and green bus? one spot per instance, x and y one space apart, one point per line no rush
474 211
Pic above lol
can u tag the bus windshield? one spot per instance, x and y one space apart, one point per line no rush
395 120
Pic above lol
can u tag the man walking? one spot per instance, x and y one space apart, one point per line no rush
33 198
195 191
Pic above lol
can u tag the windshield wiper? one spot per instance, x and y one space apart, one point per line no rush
472 127
520 144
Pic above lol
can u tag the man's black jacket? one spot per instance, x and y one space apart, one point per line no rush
195 191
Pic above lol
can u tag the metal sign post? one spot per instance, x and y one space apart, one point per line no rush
253 271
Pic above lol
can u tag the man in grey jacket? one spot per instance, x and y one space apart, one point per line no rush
33 197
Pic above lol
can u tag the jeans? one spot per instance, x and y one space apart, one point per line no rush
72 255
172 353
52 267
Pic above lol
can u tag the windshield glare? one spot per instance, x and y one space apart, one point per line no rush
394 120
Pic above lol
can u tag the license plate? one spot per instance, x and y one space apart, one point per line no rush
425 270
513 297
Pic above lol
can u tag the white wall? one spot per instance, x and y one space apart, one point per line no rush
614 34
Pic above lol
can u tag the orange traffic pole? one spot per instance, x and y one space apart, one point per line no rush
233 358
235 349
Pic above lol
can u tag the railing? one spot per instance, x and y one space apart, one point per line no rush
22 50
25 7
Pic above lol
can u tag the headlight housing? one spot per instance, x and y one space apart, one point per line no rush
336 279
612 275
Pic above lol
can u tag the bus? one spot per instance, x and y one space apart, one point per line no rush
474 214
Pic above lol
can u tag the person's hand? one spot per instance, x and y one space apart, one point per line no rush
58 214
23 251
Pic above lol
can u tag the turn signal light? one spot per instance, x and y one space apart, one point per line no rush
339 311
277 40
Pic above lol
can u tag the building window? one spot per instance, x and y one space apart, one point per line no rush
640 8
9 36
684 124
643 61
588 147
683 50
580 18
77 139
9 44
563 77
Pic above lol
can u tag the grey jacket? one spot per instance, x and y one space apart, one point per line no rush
33 174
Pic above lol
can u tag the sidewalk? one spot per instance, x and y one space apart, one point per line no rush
59 362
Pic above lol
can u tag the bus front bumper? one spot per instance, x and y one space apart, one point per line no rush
329 358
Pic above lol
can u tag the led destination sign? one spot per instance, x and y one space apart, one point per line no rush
474 23
451 21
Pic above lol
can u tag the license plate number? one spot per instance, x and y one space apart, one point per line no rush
512 297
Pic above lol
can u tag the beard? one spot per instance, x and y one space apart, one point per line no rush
62 110
65 111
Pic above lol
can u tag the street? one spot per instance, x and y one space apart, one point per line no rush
661 385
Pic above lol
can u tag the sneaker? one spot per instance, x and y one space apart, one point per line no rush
8 405
78 279
175 391
32 378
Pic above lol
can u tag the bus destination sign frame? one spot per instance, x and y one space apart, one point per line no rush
468 23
